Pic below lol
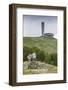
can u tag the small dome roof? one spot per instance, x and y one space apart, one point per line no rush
48 34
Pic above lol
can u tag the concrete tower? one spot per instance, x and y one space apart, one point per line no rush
42 28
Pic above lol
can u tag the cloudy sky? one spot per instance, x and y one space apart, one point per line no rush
33 28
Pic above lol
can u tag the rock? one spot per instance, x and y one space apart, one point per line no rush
33 65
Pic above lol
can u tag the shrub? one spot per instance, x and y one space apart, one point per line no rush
47 58
54 59
26 51
35 49
40 54
51 58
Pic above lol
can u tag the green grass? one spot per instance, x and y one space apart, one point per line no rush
48 45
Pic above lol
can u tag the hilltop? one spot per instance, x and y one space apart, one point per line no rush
47 44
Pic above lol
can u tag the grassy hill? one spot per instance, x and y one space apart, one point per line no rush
47 44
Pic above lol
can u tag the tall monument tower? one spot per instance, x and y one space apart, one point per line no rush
42 28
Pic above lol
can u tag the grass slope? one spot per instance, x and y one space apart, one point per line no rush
47 44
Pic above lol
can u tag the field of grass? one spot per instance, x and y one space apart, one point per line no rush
46 44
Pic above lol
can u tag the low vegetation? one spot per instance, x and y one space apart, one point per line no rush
46 51
45 48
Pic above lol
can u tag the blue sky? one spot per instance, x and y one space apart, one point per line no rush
32 25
